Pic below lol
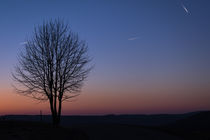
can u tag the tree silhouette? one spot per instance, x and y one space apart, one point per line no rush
52 66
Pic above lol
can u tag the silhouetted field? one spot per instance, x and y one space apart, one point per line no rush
24 130
194 126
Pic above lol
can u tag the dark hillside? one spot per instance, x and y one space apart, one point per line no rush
194 127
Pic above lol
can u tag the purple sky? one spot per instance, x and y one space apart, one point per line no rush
150 56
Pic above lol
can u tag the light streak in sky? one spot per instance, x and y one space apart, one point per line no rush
186 10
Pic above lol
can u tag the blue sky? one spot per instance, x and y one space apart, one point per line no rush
142 45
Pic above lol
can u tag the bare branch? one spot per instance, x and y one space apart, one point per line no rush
53 64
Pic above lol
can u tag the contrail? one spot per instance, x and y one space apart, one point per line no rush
186 10
23 43
133 38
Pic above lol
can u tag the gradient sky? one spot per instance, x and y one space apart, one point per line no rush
150 56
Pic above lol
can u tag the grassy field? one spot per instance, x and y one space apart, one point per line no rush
23 130
191 127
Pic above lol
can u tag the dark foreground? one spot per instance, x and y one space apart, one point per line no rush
193 126
20 130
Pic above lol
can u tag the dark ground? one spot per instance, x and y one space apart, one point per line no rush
191 126
20 130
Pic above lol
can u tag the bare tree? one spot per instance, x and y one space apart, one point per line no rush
52 66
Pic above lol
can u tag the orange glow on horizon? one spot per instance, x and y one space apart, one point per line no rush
103 100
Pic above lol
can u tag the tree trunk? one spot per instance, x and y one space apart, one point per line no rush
55 113
59 111
56 121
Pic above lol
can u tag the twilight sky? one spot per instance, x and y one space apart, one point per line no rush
150 56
